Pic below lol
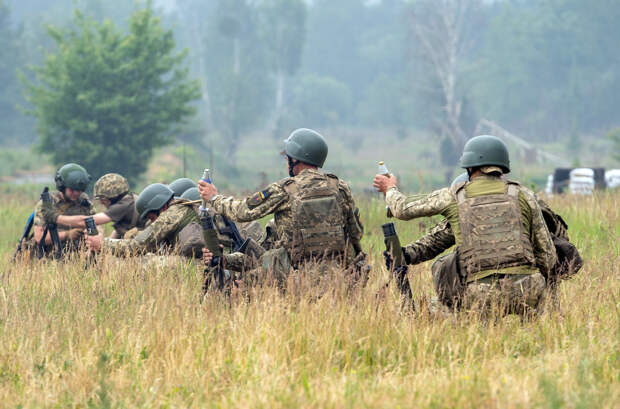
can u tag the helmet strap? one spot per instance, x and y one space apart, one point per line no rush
115 200
291 165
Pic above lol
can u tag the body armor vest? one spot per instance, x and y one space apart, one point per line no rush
317 219
492 232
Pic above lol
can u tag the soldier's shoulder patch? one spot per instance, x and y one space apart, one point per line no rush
258 198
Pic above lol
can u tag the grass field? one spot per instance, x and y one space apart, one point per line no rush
122 335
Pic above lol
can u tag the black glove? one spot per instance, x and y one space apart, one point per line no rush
389 260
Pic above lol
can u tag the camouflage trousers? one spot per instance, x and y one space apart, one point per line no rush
509 294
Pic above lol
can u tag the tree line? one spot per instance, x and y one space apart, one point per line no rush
546 69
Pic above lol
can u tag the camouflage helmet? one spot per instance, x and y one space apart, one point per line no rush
485 150
153 198
463 177
181 185
110 186
191 194
307 146
72 176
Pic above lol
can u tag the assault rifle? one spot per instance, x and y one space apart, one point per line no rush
25 235
246 246
52 228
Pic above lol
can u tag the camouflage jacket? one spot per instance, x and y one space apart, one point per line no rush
444 202
275 200
159 235
81 207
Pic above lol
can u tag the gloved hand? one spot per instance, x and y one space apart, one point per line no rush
49 213
75 234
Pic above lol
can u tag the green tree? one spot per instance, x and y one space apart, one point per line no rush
283 32
106 99
322 101
550 67
236 71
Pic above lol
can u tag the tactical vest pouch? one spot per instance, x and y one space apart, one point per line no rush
278 263
492 232
190 240
447 279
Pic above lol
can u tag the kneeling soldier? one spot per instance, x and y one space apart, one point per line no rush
315 216
168 217
504 248
68 201
112 190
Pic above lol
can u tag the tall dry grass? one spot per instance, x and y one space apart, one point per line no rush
130 334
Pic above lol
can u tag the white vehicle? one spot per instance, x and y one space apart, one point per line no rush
581 181
612 178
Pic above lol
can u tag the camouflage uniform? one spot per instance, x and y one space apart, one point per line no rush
519 279
81 207
279 199
159 235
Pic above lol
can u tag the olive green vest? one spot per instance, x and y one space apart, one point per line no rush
317 218
493 237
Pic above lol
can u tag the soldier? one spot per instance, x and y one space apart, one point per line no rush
181 185
440 238
112 190
69 200
315 215
168 216
504 247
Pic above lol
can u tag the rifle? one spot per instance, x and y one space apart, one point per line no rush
246 246
25 235
398 266
52 228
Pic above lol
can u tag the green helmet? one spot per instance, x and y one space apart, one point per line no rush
307 146
153 198
110 186
463 177
181 185
191 194
485 150
72 176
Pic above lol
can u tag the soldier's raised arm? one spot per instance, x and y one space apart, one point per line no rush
251 208
405 207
